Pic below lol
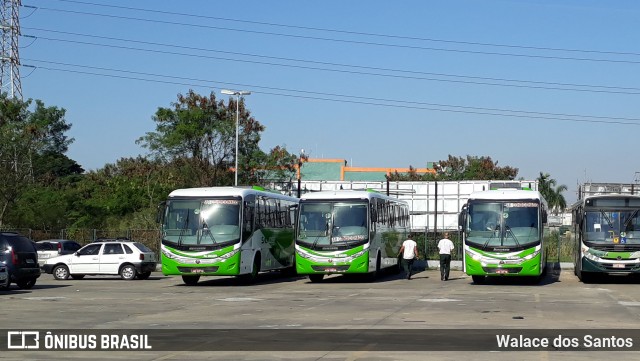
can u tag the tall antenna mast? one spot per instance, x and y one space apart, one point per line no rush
9 57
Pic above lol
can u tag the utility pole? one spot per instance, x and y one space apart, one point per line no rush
9 56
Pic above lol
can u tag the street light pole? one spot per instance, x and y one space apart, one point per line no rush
237 93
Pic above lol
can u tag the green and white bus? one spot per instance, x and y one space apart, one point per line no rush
607 229
503 234
226 231
347 232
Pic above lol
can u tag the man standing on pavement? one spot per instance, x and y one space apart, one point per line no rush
446 247
409 251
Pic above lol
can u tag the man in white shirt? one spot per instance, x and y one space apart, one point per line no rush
409 251
446 247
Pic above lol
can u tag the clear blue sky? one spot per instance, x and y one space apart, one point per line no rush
358 80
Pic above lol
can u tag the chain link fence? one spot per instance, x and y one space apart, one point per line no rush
560 246
148 237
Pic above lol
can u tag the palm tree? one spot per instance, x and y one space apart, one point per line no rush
556 201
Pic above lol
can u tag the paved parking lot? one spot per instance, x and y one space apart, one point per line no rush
280 303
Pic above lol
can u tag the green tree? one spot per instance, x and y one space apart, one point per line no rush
26 136
552 193
469 168
201 131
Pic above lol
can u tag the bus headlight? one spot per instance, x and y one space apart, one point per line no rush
591 256
475 256
230 254
168 254
531 256
356 255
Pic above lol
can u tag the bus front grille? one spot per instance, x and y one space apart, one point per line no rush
498 271
330 268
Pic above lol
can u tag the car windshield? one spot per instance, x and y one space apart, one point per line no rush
202 222
46 246
506 225
21 244
331 224
142 247
612 226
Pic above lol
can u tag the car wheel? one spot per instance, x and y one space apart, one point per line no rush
143 276
6 283
26 284
190 280
77 277
128 272
61 272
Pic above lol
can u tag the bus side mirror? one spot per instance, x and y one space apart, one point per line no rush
160 212
578 216
544 217
462 217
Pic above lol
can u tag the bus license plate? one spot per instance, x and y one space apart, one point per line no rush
330 269
502 271
197 270
618 265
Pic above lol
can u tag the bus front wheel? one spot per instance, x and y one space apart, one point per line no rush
478 279
190 280
316 278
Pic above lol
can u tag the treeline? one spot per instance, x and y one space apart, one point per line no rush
193 145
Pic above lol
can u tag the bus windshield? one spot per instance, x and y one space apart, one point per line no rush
202 222
504 225
327 225
612 226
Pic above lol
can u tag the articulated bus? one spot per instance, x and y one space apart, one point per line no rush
347 232
226 231
607 231
503 234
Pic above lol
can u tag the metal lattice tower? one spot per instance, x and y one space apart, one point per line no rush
9 57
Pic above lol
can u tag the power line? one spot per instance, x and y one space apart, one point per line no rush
359 99
350 32
549 86
307 37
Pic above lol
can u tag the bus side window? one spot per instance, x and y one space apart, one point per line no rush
247 221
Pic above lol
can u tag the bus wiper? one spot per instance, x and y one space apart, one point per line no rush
184 225
493 234
631 217
206 229
326 233
508 229
606 218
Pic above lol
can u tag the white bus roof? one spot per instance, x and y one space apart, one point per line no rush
347 194
225 192
506 194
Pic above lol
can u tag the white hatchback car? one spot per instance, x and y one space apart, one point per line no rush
108 257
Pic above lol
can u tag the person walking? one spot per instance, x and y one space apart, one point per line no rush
409 251
445 247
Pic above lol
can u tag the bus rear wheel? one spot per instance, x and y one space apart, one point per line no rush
316 278
371 277
190 280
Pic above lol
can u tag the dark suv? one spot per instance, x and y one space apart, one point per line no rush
18 253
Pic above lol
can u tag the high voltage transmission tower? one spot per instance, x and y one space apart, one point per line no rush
9 57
